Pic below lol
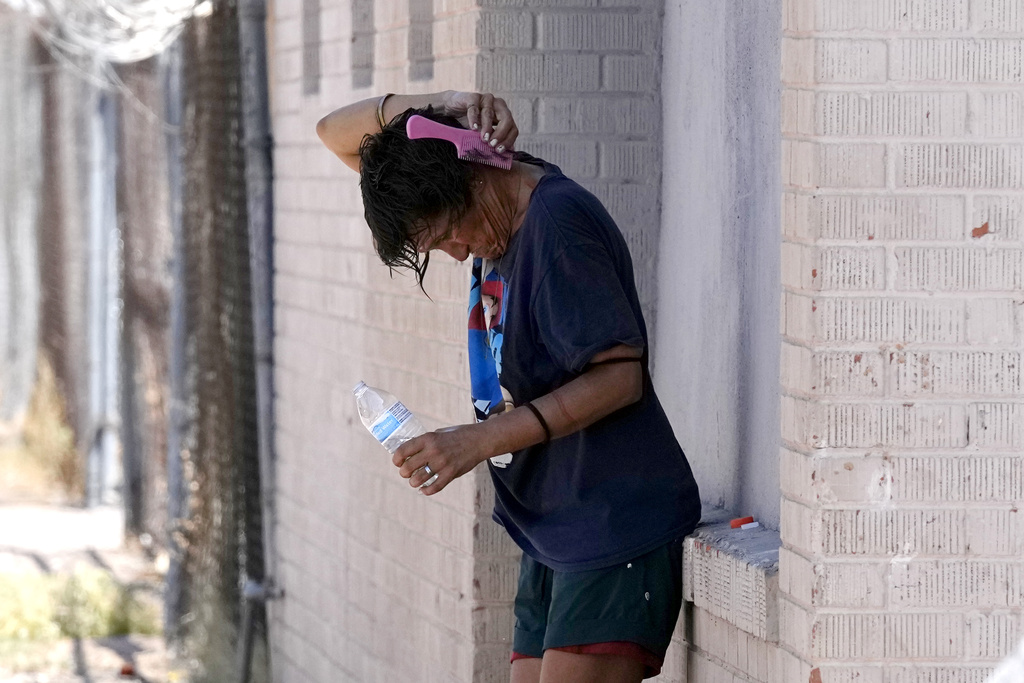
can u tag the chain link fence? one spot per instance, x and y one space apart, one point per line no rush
219 537
187 399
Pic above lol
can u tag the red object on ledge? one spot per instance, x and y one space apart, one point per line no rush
740 521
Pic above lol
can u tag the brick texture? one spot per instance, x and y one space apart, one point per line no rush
901 318
739 587
383 584
902 323
708 648
591 75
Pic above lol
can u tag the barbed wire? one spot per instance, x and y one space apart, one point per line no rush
88 37
111 31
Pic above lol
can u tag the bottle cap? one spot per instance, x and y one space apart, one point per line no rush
357 389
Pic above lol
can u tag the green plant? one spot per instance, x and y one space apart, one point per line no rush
91 605
27 607
86 604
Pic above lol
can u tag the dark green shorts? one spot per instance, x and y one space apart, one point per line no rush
633 602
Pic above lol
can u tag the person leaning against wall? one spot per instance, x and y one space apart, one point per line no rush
589 479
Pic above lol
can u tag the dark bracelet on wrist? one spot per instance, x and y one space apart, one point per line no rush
543 422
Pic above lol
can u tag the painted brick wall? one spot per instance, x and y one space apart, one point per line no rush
902 322
382 584
902 319
584 78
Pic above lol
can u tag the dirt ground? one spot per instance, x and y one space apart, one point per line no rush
44 540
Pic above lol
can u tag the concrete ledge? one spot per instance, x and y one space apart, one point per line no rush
734 574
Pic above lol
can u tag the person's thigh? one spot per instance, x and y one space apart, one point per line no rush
610 625
526 670
636 602
563 667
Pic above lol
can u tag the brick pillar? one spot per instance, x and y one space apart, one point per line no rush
902 268
585 85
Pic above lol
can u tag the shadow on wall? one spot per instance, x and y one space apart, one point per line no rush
717 344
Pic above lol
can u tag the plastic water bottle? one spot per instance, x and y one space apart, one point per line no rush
387 418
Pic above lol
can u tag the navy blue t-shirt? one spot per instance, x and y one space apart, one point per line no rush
622 486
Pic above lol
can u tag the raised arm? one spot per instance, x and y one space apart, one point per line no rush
600 391
342 130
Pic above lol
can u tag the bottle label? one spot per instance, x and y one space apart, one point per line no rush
390 421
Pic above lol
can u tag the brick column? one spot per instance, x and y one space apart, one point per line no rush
903 274
584 82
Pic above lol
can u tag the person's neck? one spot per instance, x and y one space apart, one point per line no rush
504 196
527 178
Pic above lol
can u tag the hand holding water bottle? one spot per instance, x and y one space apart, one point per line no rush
450 453
387 418
429 460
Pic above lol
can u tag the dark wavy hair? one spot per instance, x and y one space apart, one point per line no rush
408 183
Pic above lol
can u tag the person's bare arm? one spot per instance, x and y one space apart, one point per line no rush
342 131
598 392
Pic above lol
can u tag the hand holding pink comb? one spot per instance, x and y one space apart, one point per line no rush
468 145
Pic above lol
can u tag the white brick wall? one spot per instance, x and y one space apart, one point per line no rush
902 322
583 79
902 338
383 584
728 630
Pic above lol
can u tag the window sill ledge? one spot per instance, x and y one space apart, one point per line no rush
733 574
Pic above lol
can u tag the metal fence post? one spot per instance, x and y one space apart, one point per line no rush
260 210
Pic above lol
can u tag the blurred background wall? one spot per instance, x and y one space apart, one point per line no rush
20 200
125 269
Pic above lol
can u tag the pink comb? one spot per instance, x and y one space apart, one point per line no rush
468 144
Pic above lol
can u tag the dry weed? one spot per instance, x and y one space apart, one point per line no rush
49 440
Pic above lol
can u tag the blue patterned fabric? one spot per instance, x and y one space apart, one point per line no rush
486 325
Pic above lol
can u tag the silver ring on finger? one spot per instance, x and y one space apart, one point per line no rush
426 468
430 481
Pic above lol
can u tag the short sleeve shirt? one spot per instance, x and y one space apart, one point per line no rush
621 486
